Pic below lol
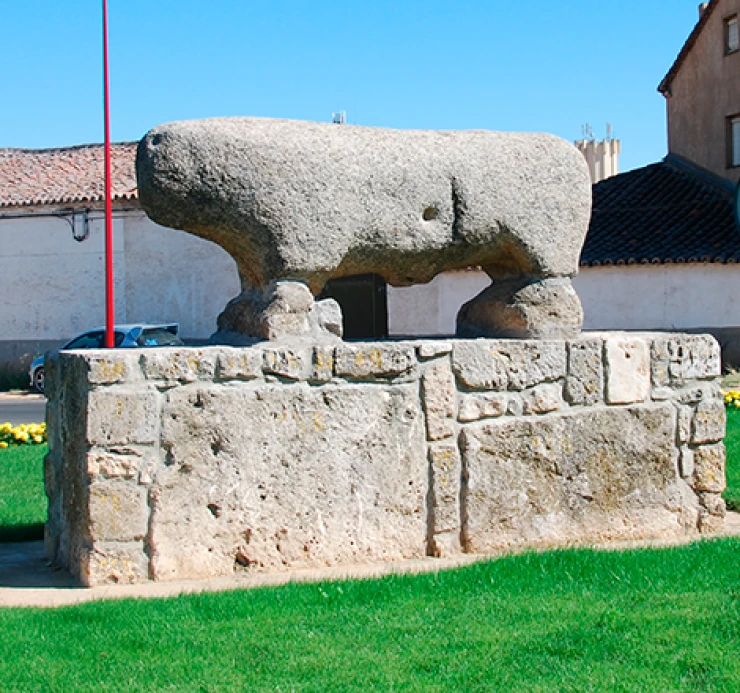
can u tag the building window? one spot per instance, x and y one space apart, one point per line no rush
733 141
732 39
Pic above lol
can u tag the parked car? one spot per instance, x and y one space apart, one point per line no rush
125 337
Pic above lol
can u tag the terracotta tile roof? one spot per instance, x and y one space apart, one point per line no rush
65 175
663 213
665 85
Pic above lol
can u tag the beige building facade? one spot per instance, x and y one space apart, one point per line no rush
702 91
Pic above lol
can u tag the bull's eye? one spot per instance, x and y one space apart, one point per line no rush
430 213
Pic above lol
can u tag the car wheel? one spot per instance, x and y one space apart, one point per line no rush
38 379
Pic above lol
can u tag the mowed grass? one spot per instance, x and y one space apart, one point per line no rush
22 497
659 620
580 620
732 443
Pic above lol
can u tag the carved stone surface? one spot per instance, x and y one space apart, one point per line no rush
571 475
312 201
289 477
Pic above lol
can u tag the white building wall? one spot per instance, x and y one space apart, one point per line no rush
431 309
633 297
664 297
52 287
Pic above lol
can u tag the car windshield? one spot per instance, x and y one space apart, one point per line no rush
93 340
158 336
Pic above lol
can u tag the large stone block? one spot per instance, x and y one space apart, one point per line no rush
179 364
585 382
581 475
681 358
118 511
709 468
709 422
119 417
501 365
440 400
627 370
445 472
278 476
114 562
374 361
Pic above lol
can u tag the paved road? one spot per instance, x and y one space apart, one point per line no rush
22 409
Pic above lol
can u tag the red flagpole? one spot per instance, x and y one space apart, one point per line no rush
109 296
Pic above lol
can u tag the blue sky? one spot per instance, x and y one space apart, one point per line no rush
526 65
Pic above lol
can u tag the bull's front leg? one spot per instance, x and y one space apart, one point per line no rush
523 308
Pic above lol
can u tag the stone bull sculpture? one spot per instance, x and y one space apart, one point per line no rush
298 203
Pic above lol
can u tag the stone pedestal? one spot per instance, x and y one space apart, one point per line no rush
190 463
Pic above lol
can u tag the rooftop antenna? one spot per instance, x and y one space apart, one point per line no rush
339 118
587 132
609 132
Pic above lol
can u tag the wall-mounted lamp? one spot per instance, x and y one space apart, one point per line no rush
79 223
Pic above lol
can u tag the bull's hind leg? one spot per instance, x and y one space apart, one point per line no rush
523 308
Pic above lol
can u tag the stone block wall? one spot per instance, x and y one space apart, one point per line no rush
190 463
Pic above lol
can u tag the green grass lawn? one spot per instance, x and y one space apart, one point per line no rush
661 620
22 498
732 443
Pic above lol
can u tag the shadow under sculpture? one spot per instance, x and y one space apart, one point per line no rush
298 203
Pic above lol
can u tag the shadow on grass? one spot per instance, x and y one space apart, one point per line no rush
18 533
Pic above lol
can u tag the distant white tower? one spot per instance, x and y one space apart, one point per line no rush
602 157
339 118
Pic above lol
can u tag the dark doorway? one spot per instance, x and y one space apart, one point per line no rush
364 306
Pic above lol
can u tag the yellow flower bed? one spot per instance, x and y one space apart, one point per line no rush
732 398
25 434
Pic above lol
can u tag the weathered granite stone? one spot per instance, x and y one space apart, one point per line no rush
111 465
709 468
105 371
680 358
285 456
445 468
627 366
543 398
686 462
515 406
713 503
574 474
239 364
709 422
323 364
710 524
585 382
118 511
115 562
685 417
430 349
122 416
288 362
523 309
283 310
181 364
501 365
378 360
310 201
477 366
290 476
484 405
440 400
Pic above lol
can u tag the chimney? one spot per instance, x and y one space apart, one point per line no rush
702 7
